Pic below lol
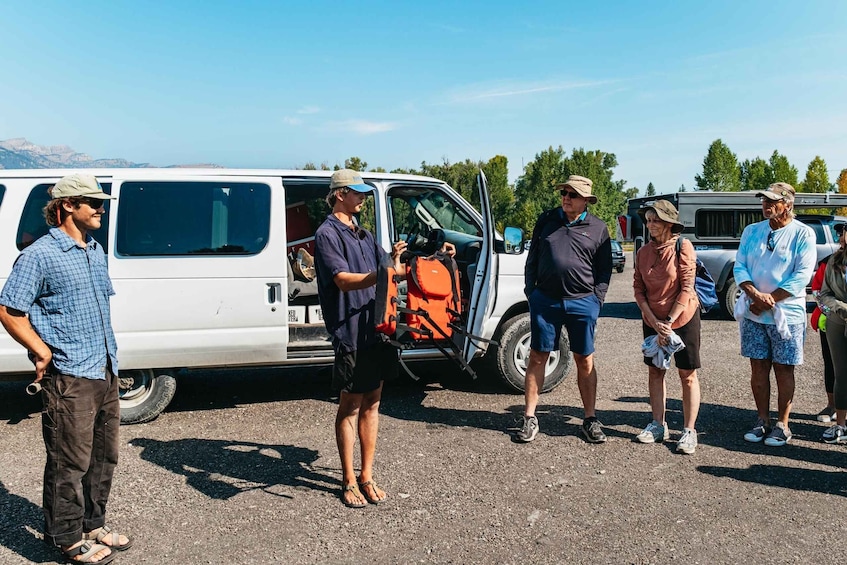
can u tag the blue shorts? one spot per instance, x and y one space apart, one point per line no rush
548 315
762 341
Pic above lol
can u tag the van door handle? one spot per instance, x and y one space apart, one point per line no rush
274 293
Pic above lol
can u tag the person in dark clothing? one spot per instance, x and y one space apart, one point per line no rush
566 278
56 304
346 259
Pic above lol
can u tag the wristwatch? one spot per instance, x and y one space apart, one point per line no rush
669 320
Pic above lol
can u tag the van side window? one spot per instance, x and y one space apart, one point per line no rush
32 224
420 210
168 218
817 227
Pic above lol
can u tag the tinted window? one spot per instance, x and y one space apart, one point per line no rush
616 246
2 192
32 224
820 237
724 223
193 218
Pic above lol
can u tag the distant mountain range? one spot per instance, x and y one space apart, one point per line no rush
18 153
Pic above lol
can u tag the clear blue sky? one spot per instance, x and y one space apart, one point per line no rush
278 84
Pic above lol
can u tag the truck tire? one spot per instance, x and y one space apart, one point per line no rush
511 356
729 296
144 394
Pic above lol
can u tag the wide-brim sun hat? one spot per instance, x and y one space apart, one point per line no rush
580 185
665 211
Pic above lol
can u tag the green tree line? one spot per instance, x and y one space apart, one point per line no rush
521 203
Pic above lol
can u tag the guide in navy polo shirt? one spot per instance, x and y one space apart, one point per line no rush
349 316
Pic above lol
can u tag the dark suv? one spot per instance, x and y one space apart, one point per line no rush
618 258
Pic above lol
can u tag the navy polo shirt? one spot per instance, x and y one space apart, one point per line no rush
349 316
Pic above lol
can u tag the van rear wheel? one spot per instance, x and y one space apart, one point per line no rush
512 356
144 394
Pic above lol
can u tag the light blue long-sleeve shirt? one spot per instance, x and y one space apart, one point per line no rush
789 266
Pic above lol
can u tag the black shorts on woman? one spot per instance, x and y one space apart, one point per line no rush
689 357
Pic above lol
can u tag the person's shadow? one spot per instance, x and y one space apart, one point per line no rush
222 469
20 522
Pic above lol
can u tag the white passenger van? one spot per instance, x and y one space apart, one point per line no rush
201 260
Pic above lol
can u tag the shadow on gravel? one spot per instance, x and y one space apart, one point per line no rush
222 469
810 480
408 404
19 519
724 427
16 405
621 310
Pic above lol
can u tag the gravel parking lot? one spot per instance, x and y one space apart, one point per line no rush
242 468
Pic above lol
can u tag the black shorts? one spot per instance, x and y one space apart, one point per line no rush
688 358
364 370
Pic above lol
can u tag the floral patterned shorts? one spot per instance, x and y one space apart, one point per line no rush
762 341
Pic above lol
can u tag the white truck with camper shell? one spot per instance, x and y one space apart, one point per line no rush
713 221
202 264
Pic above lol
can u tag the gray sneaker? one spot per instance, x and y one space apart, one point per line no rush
779 436
654 432
835 434
688 442
528 431
758 433
592 430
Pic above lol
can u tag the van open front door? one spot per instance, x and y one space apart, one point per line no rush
481 302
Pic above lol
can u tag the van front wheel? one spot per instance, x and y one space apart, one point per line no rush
512 356
144 394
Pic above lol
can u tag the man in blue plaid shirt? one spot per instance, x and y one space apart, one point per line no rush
56 304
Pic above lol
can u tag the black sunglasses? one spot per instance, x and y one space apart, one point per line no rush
572 195
95 203
771 243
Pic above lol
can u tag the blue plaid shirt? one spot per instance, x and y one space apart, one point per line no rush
65 290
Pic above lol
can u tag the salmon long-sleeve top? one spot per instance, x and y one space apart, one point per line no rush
661 280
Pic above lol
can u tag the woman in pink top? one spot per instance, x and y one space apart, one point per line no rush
664 292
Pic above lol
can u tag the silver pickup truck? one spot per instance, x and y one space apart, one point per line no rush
714 221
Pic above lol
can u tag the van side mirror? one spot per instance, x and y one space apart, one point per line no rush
513 241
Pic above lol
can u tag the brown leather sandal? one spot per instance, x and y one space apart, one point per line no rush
365 491
353 487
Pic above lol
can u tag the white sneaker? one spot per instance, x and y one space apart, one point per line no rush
688 442
654 432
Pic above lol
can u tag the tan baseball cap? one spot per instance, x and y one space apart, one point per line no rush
79 185
778 191
580 185
665 211
349 178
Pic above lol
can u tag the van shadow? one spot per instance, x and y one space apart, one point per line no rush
18 522
221 469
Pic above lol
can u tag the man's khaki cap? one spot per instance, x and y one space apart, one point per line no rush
778 191
665 211
349 178
79 185
580 185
